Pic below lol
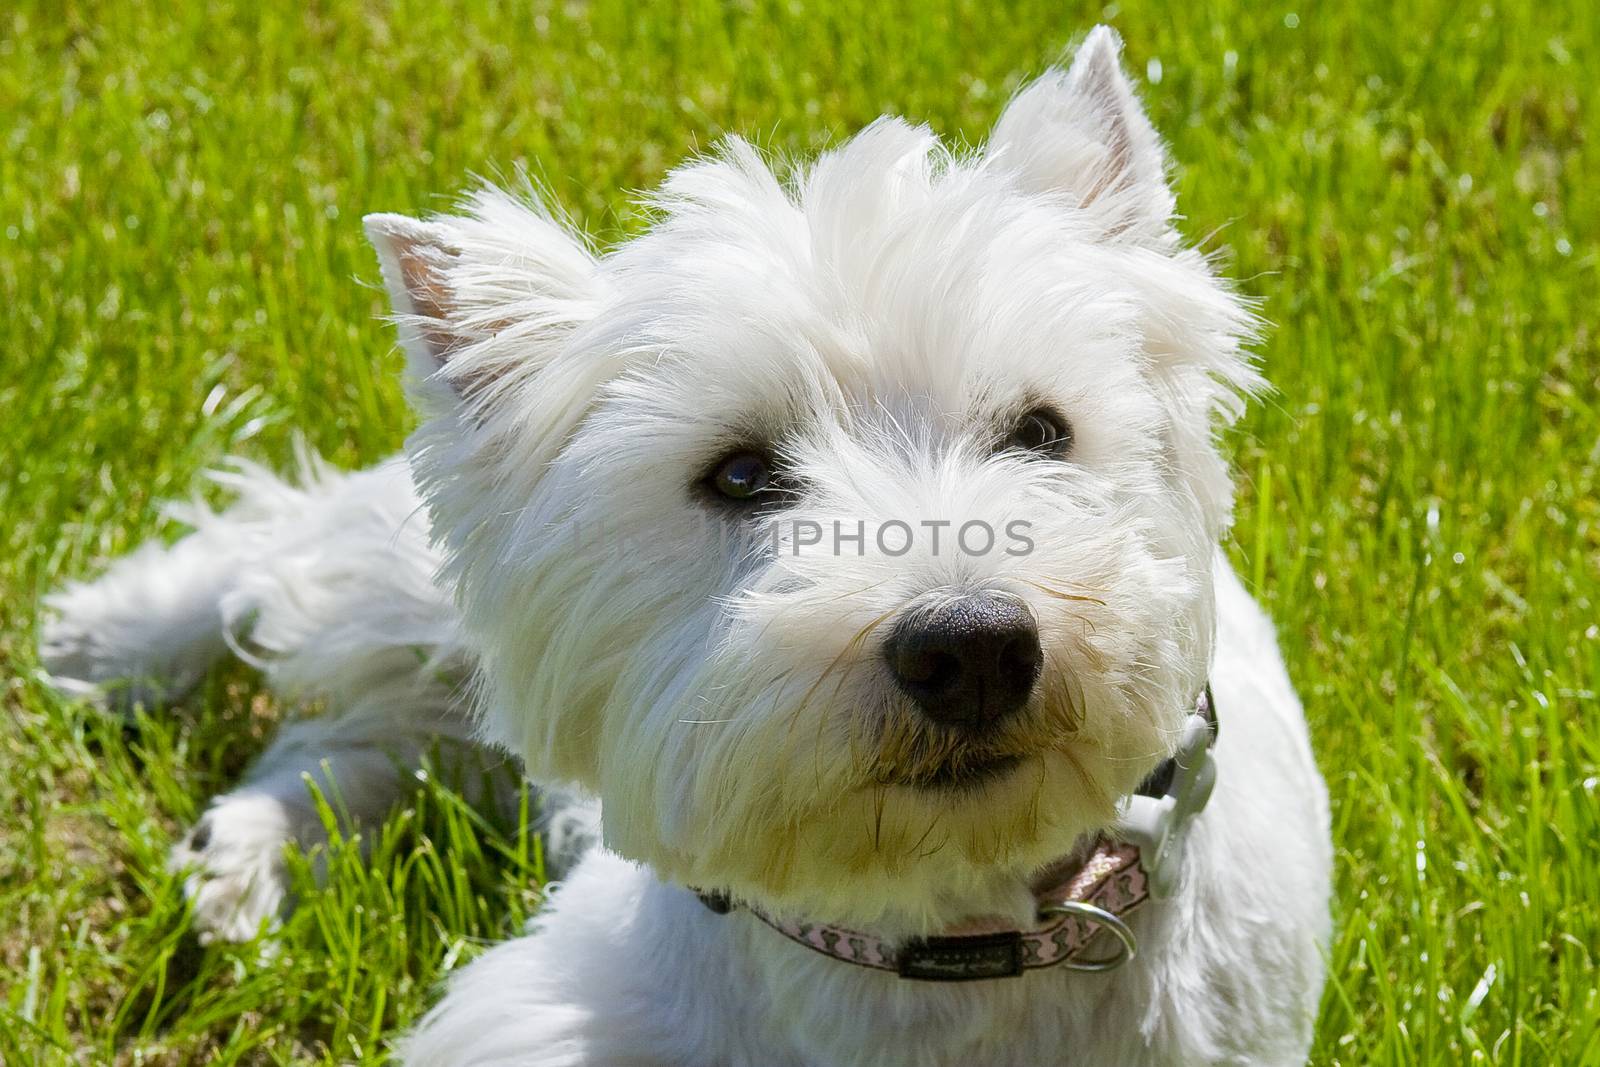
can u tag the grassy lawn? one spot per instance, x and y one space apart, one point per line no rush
1410 188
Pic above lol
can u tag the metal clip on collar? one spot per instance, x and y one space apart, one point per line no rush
1160 825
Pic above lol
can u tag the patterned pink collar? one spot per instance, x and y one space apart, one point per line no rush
1075 907
1073 911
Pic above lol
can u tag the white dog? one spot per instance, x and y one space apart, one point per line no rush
854 540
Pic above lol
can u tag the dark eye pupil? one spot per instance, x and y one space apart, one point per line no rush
1040 431
742 476
1035 432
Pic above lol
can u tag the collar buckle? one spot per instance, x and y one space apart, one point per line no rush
1159 826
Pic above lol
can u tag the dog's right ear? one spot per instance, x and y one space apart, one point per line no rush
482 299
1082 134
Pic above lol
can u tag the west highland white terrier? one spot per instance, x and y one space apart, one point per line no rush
853 538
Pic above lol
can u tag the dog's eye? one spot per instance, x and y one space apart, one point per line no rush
1041 431
741 475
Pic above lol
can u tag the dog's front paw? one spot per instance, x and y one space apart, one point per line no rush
233 866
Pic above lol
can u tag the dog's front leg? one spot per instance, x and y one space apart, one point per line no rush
361 764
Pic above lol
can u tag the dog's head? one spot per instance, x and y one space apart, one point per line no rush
851 536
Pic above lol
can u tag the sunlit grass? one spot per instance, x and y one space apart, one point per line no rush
1409 188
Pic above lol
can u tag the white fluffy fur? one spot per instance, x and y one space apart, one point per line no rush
327 586
625 969
879 319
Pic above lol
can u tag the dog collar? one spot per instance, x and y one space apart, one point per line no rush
1139 859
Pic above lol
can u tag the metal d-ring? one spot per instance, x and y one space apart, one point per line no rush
1106 921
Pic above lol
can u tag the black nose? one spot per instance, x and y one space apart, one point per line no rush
967 663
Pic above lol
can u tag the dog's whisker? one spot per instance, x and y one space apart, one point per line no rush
1061 594
917 845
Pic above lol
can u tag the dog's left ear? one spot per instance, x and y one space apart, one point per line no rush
416 258
1081 134
484 299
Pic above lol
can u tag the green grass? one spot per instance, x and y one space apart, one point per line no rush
1409 187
